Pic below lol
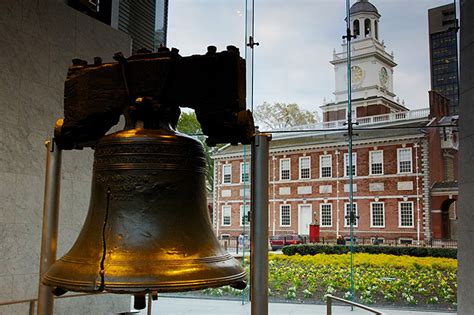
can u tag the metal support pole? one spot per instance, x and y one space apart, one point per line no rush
31 309
328 305
150 303
259 224
49 234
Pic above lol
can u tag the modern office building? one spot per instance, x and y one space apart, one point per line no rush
161 26
443 32
136 18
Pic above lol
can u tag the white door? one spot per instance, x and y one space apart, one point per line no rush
304 219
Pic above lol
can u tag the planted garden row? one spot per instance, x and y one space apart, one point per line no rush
313 249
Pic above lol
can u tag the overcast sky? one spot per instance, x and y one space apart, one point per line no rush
297 39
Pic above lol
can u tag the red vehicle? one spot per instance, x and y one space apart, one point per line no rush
278 241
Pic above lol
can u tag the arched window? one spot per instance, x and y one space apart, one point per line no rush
356 28
376 30
367 27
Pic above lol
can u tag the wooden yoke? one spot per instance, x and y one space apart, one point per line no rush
95 95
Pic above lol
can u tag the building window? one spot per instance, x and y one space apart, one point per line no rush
225 236
226 215
367 27
405 214
346 164
377 240
227 173
347 214
356 28
285 169
244 215
325 214
305 167
244 172
404 160
325 166
377 214
285 215
405 241
376 162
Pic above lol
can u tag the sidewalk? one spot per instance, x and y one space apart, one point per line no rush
185 306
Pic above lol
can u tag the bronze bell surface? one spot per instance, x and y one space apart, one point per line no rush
148 227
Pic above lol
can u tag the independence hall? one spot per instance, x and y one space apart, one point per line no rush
404 162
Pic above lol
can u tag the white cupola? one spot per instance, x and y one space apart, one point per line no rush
364 19
372 68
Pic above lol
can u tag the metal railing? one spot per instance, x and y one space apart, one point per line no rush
330 298
367 120
395 243
32 302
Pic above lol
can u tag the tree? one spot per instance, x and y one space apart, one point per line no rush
188 124
282 115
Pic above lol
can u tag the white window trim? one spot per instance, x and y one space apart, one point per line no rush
242 173
370 163
354 163
356 213
398 160
400 215
281 212
371 215
321 165
242 211
230 215
299 167
321 214
223 173
281 162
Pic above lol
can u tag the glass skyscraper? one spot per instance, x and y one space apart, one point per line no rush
444 53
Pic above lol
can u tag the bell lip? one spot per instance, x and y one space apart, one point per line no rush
174 286
131 288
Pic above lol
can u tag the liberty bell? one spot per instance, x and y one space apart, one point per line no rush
148 227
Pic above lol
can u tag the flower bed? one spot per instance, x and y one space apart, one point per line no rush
379 279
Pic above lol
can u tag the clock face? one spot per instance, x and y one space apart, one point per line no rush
357 75
383 77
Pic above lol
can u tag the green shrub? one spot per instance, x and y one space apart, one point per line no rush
313 249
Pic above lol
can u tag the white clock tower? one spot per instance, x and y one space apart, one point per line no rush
372 69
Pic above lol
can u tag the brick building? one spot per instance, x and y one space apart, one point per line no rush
404 187
404 167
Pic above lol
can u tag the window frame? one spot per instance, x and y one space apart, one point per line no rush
289 169
371 162
242 173
380 239
321 214
321 165
244 207
281 215
300 168
405 241
223 208
224 166
400 215
398 160
372 214
346 162
346 204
